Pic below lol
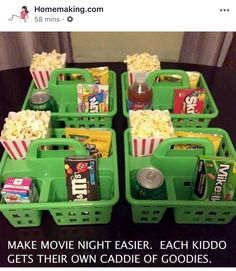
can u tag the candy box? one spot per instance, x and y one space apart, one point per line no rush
92 98
215 179
189 101
81 178
19 190
21 128
43 64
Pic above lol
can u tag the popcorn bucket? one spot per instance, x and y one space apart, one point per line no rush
17 149
145 146
41 78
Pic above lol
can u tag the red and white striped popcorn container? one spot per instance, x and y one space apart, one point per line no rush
41 78
145 146
17 149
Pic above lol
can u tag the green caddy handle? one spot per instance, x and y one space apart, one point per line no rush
34 145
151 80
55 74
165 146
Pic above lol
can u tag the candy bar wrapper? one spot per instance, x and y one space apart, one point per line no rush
145 146
18 148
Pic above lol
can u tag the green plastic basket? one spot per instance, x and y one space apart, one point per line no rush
163 97
178 167
65 95
46 167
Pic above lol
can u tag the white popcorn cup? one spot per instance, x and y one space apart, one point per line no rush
145 146
41 78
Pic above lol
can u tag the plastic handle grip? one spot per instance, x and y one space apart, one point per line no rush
55 74
34 145
165 145
153 75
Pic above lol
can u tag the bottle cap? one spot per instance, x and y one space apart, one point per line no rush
140 77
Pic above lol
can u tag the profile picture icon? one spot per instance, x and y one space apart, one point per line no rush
23 16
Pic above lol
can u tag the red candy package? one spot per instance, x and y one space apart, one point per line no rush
189 101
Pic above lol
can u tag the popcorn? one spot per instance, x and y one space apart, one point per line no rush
43 64
142 62
26 124
148 129
21 128
48 61
148 123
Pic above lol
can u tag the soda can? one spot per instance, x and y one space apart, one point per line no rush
42 101
150 184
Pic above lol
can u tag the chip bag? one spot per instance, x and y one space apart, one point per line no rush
215 139
97 142
193 79
100 75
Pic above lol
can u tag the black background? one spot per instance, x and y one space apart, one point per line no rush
222 84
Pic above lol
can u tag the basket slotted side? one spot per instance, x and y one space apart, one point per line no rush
48 174
143 211
179 179
163 98
65 95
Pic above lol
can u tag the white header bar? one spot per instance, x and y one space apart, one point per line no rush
118 15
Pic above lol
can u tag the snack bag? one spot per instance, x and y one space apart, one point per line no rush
189 101
193 79
100 75
215 139
92 98
215 178
170 78
97 142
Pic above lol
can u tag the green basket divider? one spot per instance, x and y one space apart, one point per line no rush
46 167
65 95
163 98
178 168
